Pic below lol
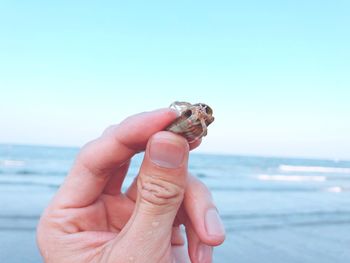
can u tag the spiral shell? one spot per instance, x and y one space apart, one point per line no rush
193 120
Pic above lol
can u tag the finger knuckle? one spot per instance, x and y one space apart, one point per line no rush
158 191
198 188
109 130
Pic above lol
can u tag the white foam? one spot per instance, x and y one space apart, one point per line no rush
313 169
291 178
11 163
334 189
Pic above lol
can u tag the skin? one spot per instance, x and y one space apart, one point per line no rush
91 220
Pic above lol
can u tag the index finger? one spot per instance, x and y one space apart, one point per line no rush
101 158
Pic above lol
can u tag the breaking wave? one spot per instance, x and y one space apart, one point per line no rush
314 169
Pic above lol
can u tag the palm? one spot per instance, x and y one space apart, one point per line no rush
108 214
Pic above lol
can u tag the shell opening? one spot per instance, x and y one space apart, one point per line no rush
187 113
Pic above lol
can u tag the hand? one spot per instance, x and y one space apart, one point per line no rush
91 220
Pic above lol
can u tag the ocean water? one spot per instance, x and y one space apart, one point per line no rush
274 209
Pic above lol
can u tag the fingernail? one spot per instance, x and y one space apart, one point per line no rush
166 153
213 223
175 111
204 253
176 236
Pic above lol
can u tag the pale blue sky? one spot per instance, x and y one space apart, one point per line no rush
276 73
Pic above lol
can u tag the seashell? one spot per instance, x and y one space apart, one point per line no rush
193 120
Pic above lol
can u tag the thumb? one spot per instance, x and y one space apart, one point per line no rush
162 179
163 174
160 191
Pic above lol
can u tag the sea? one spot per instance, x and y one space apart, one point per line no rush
276 210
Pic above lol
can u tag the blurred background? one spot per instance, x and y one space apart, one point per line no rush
276 73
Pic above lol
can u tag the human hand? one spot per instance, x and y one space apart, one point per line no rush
91 220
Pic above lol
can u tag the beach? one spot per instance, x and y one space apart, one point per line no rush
274 209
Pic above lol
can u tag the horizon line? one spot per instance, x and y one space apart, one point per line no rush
237 154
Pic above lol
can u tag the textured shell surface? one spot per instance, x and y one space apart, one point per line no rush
193 120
